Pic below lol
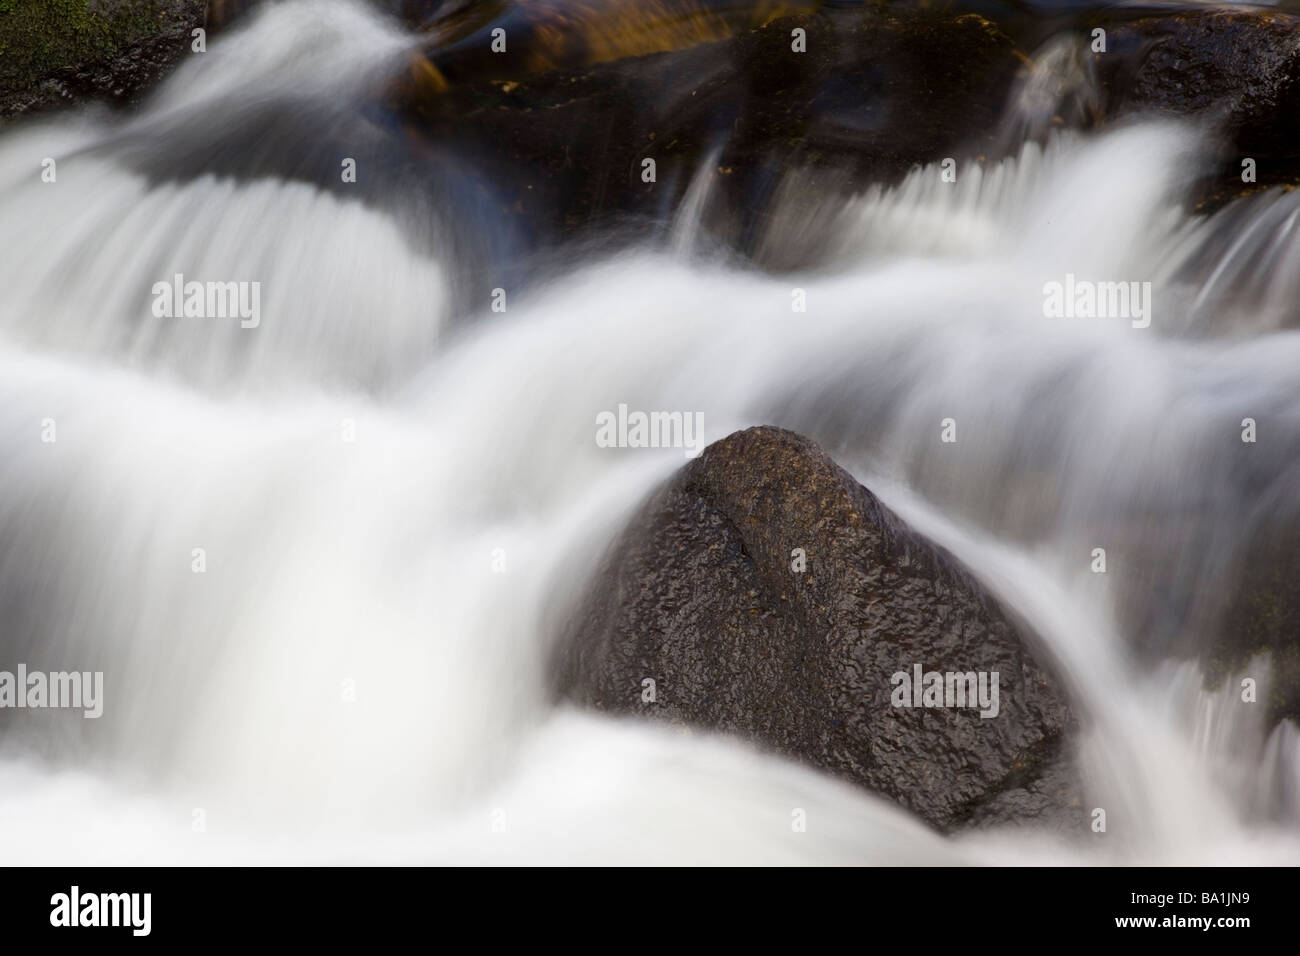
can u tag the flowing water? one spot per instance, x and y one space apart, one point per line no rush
394 498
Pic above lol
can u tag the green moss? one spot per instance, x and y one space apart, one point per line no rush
41 37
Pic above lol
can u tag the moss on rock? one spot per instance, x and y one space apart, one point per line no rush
53 51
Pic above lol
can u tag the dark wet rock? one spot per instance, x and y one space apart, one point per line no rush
1207 568
586 92
699 596
1262 619
553 133
564 132
1237 69
1047 797
1222 592
222 13
877 91
55 53
1246 612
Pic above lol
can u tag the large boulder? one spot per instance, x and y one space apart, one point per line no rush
702 596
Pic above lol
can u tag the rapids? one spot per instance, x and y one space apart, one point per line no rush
393 493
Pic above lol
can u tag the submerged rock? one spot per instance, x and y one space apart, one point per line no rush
1262 618
700 616
1226 597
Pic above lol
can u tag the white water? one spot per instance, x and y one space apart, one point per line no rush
371 561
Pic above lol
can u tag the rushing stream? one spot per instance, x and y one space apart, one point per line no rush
321 561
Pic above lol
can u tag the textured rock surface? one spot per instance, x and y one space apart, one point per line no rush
1241 67
699 595
1237 69
57 52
